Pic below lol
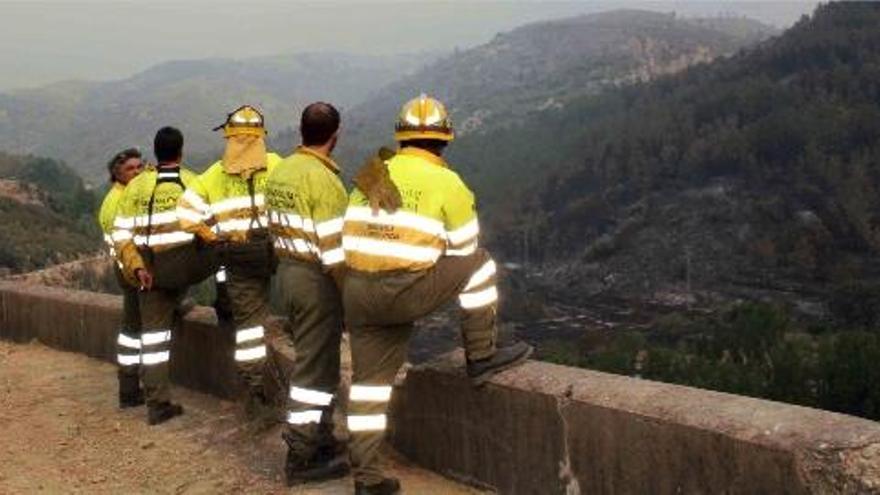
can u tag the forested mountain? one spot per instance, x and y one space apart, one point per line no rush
84 123
757 170
47 216
538 69
717 227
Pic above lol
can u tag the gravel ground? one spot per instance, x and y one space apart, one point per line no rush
62 433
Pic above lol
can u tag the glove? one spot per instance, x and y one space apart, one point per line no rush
374 181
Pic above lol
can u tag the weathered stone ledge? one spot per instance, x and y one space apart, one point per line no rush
540 428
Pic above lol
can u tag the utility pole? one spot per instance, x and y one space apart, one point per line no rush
687 271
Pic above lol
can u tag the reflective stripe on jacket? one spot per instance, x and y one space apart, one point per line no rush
306 202
134 226
220 203
438 218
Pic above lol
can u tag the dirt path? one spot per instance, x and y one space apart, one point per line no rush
60 432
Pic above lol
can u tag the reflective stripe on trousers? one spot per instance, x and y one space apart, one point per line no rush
249 344
128 349
307 406
375 395
155 347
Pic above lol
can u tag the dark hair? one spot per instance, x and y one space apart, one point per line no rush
168 145
435 146
318 123
120 158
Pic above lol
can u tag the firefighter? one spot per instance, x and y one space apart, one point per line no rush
162 260
123 167
306 201
225 208
406 262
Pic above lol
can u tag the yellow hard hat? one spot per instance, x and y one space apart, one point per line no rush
423 118
245 120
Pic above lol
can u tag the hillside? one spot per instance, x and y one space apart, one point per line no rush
716 228
753 173
539 68
85 123
47 216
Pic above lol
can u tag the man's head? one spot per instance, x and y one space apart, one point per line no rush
168 145
319 125
125 166
424 123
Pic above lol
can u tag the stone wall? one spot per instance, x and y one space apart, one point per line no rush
88 322
540 428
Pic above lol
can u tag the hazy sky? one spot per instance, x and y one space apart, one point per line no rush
43 41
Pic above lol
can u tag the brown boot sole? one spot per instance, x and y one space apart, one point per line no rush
321 473
479 381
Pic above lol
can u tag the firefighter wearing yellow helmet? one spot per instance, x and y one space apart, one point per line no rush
225 207
410 237
423 118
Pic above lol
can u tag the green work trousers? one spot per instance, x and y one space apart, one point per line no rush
128 340
312 302
380 311
174 270
249 301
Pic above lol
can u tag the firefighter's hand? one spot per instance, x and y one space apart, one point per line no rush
145 279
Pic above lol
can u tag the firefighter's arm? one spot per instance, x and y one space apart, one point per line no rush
460 219
123 240
194 212
131 261
327 204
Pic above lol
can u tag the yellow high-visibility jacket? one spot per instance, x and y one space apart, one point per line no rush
306 202
218 204
438 218
134 226
107 214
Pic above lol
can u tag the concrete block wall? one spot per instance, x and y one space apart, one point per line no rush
88 322
537 429
544 428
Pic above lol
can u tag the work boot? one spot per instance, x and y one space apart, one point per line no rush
304 465
130 393
388 486
327 446
131 399
297 471
160 412
185 306
504 358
